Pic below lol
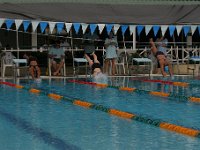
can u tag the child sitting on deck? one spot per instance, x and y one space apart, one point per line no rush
34 69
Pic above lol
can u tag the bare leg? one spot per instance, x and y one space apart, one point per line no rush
153 46
162 65
31 71
107 62
95 58
89 60
170 70
59 66
170 67
53 66
38 72
113 66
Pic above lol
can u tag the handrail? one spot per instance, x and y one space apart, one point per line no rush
176 54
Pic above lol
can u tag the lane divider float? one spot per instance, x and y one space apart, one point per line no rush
34 90
55 96
159 94
182 84
182 98
127 115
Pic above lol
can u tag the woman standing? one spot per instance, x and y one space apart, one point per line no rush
111 53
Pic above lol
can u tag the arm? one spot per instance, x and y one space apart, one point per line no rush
107 43
62 56
88 59
95 58
38 72
153 46
160 39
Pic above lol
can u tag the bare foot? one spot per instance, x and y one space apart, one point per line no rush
114 74
55 73
91 63
92 53
164 74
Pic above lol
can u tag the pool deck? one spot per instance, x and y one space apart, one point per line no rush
182 71
88 76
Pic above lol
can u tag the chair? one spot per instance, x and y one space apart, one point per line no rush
196 64
63 70
120 64
76 65
145 61
6 61
17 67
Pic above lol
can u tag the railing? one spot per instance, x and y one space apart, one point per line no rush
176 54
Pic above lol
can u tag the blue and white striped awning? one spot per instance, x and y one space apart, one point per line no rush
81 27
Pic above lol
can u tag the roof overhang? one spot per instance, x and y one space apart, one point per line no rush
87 12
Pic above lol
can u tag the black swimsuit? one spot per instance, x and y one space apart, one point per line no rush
159 53
96 65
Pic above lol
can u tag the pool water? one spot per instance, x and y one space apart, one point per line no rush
37 122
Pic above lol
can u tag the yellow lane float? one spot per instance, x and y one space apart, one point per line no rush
55 96
162 94
19 86
121 113
179 129
127 89
194 99
82 103
184 84
101 85
34 91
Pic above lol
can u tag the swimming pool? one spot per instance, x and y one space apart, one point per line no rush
35 121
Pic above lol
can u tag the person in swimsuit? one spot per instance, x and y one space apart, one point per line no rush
94 64
34 69
160 54
97 75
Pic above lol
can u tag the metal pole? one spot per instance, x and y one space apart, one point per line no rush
125 54
17 40
134 39
74 71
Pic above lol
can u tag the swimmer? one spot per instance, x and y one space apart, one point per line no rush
34 68
160 52
96 68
